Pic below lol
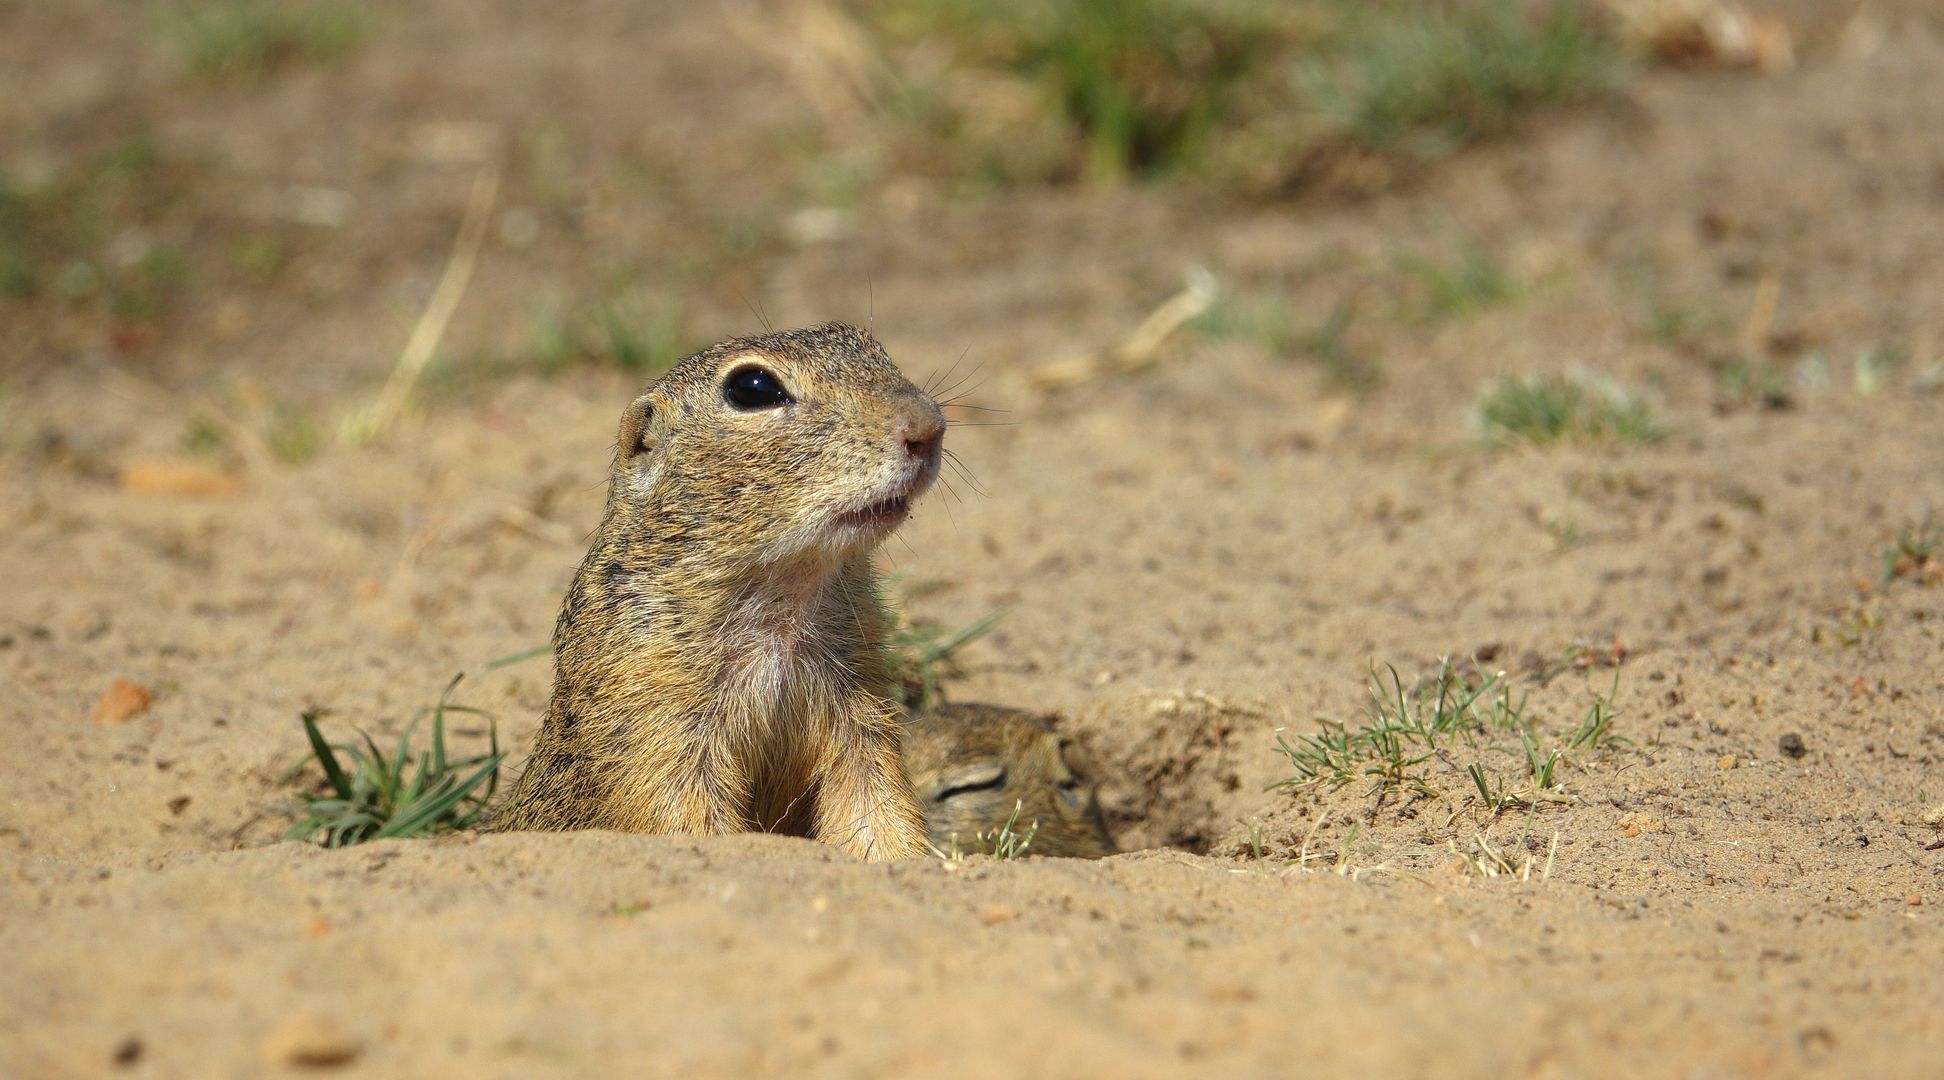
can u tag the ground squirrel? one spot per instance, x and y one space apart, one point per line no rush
718 662
973 765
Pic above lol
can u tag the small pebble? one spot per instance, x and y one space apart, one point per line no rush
308 1040
994 914
122 701
1791 744
1728 761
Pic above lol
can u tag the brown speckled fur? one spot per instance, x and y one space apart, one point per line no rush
972 764
719 658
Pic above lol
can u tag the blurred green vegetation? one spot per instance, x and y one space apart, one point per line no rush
90 233
244 38
1544 409
1231 91
640 335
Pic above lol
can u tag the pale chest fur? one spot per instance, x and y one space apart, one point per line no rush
784 650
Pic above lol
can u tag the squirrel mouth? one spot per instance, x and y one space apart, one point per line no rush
878 515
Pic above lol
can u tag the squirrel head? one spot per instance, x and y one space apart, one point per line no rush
792 446
976 767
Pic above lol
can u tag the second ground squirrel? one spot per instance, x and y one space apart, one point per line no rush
719 659
978 769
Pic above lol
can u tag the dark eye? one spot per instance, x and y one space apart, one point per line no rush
754 388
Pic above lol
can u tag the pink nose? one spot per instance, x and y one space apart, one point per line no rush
921 437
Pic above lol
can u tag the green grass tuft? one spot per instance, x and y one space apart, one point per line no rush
67 236
643 338
1473 281
920 654
1134 87
232 38
1917 554
1410 741
1264 317
1008 842
370 795
1429 79
1255 93
1545 409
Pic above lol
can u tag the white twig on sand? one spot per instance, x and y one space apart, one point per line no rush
389 405
1141 348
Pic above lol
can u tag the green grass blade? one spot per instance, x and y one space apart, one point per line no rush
523 654
325 756
963 636
424 814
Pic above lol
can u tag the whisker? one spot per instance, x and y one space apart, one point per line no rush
981 423
949 516
976 408
958 389
939 378
756 308
965 473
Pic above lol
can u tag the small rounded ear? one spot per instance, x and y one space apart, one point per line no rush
635 438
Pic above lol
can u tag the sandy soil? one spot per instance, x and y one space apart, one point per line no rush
1193 558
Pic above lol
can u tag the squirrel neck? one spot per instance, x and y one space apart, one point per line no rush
762 631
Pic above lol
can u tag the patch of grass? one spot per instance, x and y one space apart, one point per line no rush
259 257
1544 409
370 795
1917 554
1264 317
1131 88
1410 741
1756 382
920 654
641 337
1875 366
203 436
1008 841
1256 93
1429 79
89 231
1596 729
1472 281
295 435
1858 625
247 38
154 277
1402 729
1565 533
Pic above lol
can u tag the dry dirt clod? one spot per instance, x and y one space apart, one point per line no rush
121 702
994 914
1727 762
1633 823
308 1039
1791 744
164 477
